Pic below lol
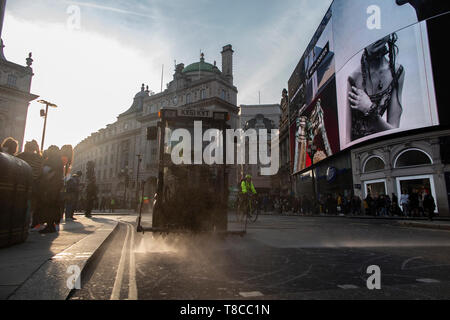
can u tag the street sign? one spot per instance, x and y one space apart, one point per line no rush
195 113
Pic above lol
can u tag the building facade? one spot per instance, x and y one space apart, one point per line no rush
284 175
15 96
260 117
402 165
394 142
114 149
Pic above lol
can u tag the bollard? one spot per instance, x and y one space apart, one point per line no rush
15 195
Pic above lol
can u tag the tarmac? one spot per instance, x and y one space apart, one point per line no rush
45 266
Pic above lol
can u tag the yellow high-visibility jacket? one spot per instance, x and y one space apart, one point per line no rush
246 187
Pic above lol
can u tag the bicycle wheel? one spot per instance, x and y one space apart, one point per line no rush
253 212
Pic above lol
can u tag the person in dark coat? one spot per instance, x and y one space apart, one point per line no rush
91 189
50 186
33 157
429 205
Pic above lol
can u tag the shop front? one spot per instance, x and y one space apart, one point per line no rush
404 165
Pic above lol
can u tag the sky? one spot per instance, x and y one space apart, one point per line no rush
91 57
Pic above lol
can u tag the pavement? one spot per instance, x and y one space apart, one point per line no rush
437 225
38 269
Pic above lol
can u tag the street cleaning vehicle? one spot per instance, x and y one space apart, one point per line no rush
190 197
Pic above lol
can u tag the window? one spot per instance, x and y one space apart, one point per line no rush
412 157
222 95
12 80
203 94
188 98
374 163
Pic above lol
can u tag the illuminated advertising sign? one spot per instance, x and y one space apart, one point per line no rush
375 55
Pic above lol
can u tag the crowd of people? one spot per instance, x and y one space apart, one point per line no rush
55 190
307 205
413 204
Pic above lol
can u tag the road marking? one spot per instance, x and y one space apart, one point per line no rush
408 261
428 280
348 286
115 294
294 278
132 288
253 294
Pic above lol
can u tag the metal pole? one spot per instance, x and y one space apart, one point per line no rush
162 126
137 180
45 127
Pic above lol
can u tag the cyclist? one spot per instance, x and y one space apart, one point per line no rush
247 185
247 189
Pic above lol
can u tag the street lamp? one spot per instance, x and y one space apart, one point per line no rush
137 180
45 115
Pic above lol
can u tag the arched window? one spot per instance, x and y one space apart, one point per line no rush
412 157
374 163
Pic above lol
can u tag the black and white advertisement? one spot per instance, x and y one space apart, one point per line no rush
387 87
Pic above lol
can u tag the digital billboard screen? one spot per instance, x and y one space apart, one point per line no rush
387 87
316 136
376 56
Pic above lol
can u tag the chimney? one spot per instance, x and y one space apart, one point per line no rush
227 62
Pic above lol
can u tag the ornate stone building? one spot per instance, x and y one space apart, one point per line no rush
114 149
15 96
260 117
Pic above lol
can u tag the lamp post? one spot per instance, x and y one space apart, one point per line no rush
45 115
137 179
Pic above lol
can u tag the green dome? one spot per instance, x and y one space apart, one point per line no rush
201 66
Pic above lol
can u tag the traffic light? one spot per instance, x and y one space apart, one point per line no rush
152 133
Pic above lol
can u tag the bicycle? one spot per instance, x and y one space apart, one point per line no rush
251 209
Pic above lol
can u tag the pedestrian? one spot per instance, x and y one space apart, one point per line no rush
72 195
66 159
50 187
91 189
356 205
429 205
368 206
404 202
113 204
388 205
10 146
33 157
102 207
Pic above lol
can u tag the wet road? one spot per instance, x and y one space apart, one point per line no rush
279 258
